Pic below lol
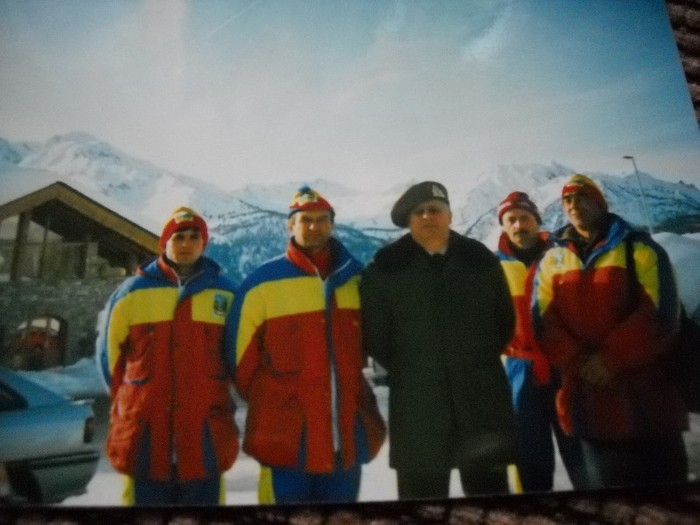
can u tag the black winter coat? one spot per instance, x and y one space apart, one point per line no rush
439 328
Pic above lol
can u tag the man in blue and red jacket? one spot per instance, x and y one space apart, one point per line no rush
533 383
160 352
312 418
605 308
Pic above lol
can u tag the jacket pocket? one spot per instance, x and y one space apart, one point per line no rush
126 431
139 359
284 339
212 351
274 424
224 436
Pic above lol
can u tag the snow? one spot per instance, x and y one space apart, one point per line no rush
684 252
139 190
18 182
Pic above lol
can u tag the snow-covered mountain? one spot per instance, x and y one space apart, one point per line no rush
248 225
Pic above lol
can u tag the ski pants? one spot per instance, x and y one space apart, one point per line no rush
290 485
537 424
142 491
635 462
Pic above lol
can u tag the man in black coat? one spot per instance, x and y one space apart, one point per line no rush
437 315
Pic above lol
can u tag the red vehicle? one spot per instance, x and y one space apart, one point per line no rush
40 343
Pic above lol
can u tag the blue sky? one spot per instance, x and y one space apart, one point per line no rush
360 91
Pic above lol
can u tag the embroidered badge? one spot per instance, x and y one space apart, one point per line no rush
220 305
438 193
184 215
559 259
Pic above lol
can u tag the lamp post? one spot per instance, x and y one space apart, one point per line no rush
641 193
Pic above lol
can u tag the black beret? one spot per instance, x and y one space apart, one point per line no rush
415 196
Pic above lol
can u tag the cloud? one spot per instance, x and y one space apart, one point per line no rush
490 42
156 35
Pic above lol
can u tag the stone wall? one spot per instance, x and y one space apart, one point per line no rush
76 301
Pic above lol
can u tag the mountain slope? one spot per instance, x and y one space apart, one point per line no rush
248 225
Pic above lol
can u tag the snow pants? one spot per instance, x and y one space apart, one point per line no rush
636 462
141 491
537 422
290 485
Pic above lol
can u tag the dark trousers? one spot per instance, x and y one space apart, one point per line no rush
635 462
538 423
197 492
436 485
296 486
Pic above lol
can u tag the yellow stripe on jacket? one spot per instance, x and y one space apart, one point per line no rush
145 306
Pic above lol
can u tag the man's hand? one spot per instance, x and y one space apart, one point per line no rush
593 370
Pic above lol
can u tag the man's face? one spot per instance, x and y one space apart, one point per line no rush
430 223
583 211
311 229
185 247
521 227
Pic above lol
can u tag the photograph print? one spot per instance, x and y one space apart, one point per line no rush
269 252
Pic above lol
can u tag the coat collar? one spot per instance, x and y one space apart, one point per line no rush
405 251
161 269
343 266
617 232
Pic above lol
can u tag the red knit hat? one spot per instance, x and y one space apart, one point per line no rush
306 199
521 200
581 184
183 218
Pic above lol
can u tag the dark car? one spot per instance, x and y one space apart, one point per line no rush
47 451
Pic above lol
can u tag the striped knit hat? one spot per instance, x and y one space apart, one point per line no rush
521 200
183 218
584 185
306 199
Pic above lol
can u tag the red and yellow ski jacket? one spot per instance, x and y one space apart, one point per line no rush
585 306
298 362
160 352
523 345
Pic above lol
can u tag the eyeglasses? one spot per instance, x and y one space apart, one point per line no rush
430 209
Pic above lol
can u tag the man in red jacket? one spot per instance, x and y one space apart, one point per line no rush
605 307
312 418
160 352
532 382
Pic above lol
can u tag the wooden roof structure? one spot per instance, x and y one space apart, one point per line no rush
76 217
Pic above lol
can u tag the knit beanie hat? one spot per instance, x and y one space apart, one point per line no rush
581 184
521 200
306 199
415 196
183 218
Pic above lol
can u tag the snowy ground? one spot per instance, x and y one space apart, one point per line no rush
378 480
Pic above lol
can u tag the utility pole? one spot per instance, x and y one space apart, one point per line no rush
641 193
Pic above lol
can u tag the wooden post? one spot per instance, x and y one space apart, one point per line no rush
20 250
42 256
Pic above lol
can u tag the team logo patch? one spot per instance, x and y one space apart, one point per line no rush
220 305
438 193
559 260
183 216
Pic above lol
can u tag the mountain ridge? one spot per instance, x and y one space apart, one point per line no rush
248 225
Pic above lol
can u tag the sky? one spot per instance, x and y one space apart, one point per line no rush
363 92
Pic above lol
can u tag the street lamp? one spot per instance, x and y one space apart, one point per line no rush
641 192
